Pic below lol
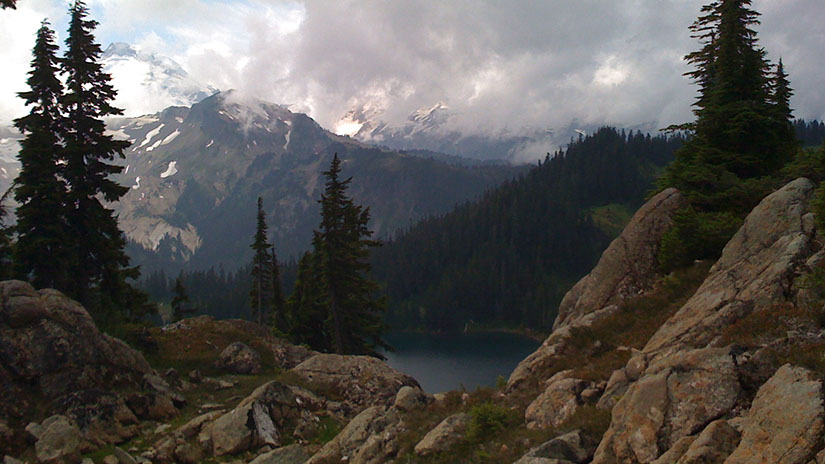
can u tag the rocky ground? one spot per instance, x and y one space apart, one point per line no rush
715 363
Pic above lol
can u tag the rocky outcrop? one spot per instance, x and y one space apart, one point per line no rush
626 269
361 381
757 268
447 433
51 349
675 398
559 401
786 422
239 358
628 266
50 342
572 447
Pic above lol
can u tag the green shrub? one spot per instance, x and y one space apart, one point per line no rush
696 235
486 420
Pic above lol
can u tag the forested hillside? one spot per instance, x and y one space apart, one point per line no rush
508 258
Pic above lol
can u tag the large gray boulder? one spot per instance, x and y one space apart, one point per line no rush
239 358
628 267
675 398
786 421
361 381
757 269
51 343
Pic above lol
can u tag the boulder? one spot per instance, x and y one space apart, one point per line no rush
757 269
712 446
369 438
785 421
258 418
292 454
557 403
411 398
675 398
555 347
447 433
573 447
361 381
51 350
239 358
58 440
628 266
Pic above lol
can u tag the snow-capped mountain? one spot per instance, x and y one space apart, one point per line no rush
429 129
196 173
148 82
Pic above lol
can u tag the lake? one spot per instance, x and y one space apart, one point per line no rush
448 362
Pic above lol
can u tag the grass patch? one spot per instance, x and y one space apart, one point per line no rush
612 218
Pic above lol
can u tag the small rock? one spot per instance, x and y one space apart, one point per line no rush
239 358
559 401
572 447
186 453
446 434
111 459
59 440
124 457
195 376
410 398
292 454
162 428
11 460
590 395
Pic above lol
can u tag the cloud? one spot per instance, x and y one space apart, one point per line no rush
499 66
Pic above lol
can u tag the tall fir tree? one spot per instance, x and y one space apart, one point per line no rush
260 298
740 140
5 240
737 135
306 311
8 4
341 244
278 309
42 230
179 299
99 277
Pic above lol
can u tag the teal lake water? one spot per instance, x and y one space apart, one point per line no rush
448 362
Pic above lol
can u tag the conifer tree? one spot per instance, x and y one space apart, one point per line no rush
8 4
179 299
5 240
306 312
355 313
100 263
260 296
277 295
42 231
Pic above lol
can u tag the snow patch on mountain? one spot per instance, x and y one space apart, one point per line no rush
171 170
150 135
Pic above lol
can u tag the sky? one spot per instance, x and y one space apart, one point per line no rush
499 66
